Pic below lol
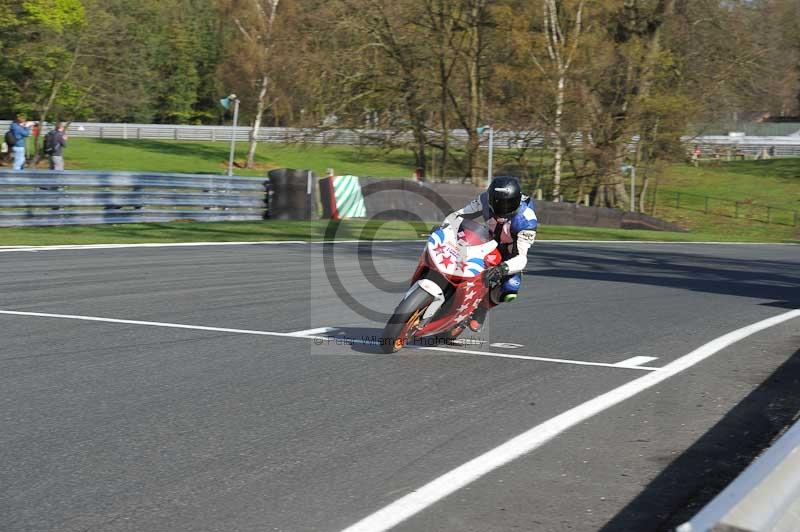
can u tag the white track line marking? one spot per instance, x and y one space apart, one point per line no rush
80 247
506 345
635 362
538 359
450 482
310 334
154 324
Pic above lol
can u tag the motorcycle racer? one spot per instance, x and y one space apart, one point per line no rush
511 218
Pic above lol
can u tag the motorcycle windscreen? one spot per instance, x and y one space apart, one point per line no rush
473 233
461 252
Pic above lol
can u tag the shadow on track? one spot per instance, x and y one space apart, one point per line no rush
761 279
703 470
688 267
367 340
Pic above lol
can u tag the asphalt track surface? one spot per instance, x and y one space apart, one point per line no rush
131 426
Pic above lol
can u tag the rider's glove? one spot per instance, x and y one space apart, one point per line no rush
494 276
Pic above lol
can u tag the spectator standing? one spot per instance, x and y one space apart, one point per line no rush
20 130
54 144
696 155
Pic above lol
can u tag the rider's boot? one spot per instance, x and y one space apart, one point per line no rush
475 322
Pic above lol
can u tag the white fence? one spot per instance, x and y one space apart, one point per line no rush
751 145
780 146
242 133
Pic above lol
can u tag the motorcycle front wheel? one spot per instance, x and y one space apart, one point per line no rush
406 316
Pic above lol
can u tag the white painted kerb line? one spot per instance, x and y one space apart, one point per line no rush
618 365
420 499
156 324
319 334
635 362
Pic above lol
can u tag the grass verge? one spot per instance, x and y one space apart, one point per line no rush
212 157
775 182
311 230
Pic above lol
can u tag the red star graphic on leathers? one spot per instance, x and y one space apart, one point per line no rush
439 249
446 261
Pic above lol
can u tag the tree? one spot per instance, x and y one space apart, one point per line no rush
41 54
475 20
254 21
441 27
627 61
561 45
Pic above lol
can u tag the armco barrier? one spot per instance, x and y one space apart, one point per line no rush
551 213
765 497
77 197
411 200
406 199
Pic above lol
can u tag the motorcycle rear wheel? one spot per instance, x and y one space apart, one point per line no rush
406 316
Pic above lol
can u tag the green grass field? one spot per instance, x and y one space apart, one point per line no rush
212 158
775 182
753 184
308 231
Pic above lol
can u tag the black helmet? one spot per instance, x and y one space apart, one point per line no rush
505 195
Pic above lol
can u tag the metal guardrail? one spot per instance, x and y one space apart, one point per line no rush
78 197
765 497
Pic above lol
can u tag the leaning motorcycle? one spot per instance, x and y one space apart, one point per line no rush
446 287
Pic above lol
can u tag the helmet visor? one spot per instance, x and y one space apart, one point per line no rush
504 207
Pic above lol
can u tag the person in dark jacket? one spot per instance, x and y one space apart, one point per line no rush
54 144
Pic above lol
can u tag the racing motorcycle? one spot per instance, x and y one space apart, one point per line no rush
446 287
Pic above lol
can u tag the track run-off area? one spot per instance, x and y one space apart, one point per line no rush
237 387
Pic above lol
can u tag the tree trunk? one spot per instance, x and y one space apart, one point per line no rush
559 141
643 193
473 147
621 196
600 196
474 80
54 90
655 197
421 142
261 106
444 78
445 136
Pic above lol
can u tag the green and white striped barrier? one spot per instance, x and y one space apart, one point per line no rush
347 198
